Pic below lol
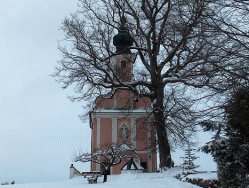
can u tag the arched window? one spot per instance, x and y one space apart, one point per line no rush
123 64
124 132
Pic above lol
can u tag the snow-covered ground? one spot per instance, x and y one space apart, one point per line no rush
143 180
205 176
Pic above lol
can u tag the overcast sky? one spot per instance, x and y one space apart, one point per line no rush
39 126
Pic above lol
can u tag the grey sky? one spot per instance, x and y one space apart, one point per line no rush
39 126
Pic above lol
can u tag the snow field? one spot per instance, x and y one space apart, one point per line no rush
143 180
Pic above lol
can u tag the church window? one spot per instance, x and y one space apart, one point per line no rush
124 132
123 63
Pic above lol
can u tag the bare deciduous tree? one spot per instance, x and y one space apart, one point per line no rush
183 57
230 22
107 156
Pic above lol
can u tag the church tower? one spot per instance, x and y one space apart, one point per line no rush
121 117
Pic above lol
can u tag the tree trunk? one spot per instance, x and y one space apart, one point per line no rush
105 176
162 137
164 147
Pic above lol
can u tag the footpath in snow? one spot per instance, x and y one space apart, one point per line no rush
143 180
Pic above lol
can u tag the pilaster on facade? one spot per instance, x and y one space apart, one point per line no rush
114 102
114 130
133 132
98 132
150 145
98 167
149 137
149 162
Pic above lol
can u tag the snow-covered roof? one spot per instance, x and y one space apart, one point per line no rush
132 165
124 147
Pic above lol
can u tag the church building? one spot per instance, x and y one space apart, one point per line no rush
121 117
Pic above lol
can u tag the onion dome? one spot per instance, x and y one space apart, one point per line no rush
123 40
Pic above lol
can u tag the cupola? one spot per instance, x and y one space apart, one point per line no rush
123 40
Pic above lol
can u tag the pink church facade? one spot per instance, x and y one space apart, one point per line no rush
123 118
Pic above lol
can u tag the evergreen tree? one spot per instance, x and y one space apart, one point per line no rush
231 150
188 160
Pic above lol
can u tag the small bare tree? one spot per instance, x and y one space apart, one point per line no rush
107 156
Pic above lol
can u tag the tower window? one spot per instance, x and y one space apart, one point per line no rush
123 64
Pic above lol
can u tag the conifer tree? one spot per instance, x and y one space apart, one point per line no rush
231 149
188 159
